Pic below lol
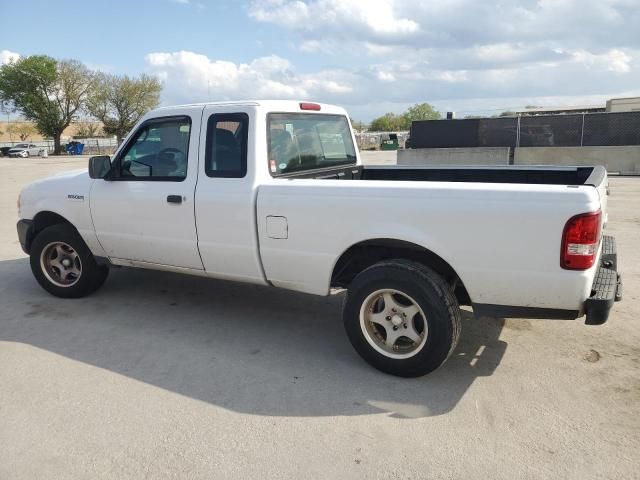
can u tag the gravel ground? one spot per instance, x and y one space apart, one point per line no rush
165 376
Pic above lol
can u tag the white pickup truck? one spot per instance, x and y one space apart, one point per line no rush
274 193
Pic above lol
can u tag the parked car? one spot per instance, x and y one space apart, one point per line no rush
4 151
274 193
25 150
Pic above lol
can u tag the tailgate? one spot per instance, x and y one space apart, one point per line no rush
600 181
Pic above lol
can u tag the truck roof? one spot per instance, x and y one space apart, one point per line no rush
271 105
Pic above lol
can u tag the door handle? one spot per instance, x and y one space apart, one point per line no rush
174 198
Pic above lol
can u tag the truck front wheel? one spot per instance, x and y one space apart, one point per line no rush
402 318
63 265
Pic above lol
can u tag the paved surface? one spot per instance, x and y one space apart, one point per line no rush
164 376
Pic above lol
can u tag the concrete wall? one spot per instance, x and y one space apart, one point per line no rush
454 156
624 160
378 157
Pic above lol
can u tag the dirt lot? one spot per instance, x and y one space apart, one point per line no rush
160 375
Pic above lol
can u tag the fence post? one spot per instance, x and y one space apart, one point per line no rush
582 132
518 133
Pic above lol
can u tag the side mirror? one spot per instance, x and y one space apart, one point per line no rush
99 166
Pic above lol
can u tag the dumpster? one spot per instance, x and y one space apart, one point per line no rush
390 143
75 148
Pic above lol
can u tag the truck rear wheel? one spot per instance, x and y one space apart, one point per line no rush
63 265
402 318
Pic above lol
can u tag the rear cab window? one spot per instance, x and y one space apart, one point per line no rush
226 145
299 142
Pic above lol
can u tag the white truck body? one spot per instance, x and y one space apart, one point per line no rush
501 240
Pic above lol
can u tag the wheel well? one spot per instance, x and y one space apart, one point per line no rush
365 254
43 220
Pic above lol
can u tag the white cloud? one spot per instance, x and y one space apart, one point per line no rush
311 46
399 52
619 61
386 76
406 51
377 17
453 76
189 77
614 60
378 50
461 33
6 56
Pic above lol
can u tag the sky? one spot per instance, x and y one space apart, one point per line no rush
469 56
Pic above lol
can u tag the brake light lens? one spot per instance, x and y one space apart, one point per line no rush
580 240
309 106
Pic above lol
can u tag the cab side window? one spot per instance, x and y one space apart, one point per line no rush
159 151
226 147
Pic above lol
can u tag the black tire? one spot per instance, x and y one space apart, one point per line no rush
431 293
92 275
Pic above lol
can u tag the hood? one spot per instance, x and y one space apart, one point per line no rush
69 175
65 194
55 191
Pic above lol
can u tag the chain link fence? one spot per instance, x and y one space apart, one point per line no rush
590 129
372 140
98 146
612 129
92 146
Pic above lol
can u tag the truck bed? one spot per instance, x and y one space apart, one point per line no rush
544 175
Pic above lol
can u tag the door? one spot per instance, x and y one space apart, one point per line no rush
144 211
226 195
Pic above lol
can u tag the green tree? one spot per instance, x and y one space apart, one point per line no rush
46 91
420 111
120 101
389 122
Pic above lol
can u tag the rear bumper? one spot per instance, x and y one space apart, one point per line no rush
25 234
607 285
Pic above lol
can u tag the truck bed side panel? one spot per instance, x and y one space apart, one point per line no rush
503 240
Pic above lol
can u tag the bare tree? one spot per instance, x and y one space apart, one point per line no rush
87 129
23 130
120 101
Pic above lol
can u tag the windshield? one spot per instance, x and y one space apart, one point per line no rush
299 141
21 145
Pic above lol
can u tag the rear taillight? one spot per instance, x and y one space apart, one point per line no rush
580 240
